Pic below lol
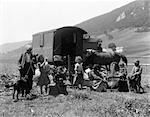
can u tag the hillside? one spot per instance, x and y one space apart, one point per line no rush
134 14
134 43
127 26
8 47
13 56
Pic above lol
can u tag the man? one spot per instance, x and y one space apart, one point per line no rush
135 78
27 68
99 45
112 46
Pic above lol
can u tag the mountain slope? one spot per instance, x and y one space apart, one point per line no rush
135 14
127 26
134 43
8 47
13 56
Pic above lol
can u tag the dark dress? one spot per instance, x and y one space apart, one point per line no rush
43 79
61 87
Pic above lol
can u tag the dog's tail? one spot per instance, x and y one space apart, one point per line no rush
9 85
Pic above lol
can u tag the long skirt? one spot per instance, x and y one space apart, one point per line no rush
79 79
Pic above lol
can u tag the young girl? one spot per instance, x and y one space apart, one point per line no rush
44 69
123 70
78 79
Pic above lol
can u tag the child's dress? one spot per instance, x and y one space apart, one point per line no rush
44 79
78 74
61 87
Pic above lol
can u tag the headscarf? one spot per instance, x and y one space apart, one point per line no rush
28 47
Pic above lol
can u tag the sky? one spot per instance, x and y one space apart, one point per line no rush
20 19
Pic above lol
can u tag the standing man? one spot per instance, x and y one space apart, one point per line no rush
135 77
27 68
99 45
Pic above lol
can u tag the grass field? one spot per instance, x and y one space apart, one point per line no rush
78 103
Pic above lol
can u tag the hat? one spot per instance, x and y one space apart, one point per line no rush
28 47
137 61
99 40
111 45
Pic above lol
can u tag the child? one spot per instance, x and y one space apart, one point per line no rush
78 79
123 84
123 71
44 69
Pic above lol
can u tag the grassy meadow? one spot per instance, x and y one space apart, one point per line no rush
78 103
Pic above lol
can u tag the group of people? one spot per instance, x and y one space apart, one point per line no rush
134 78
48 75
98 74
52 77
55 77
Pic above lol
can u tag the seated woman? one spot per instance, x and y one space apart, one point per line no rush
114 70
95 73
114 76
97 78
59 79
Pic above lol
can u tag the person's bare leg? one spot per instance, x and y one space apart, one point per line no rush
41 89
46 89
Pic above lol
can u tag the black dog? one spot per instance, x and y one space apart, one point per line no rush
20 87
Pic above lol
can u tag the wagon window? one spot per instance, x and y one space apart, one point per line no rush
42 40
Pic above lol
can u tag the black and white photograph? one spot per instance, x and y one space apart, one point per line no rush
74 58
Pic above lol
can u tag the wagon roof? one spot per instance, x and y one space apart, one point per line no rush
49 31
72 28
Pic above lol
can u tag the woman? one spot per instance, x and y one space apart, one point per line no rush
59 79
98 79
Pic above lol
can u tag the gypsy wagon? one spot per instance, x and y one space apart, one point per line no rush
63 42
